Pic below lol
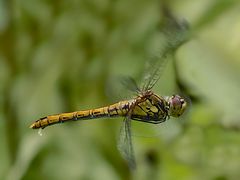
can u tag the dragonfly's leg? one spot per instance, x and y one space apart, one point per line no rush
151 121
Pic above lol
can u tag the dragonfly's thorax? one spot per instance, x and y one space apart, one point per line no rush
150 107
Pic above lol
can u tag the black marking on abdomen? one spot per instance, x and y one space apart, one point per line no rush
96 112
42 118
75 116
112 111
116 110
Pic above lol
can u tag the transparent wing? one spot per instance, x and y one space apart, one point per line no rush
130 84
121 87
167 41
125 143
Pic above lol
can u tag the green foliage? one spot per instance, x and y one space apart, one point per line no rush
61 56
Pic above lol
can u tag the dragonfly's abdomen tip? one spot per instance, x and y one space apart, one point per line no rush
33 126
37 124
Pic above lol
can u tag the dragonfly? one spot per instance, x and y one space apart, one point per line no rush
146 106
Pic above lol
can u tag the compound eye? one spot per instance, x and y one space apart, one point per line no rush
182 101
176 101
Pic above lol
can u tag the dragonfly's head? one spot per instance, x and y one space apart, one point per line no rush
177 105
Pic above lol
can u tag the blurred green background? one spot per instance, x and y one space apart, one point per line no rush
62 56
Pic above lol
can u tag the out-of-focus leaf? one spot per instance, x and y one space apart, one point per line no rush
29 148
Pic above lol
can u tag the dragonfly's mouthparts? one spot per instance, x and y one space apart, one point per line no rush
177 105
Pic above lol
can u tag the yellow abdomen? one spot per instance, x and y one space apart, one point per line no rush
118 109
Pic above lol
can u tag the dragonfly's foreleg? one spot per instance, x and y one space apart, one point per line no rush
158 121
